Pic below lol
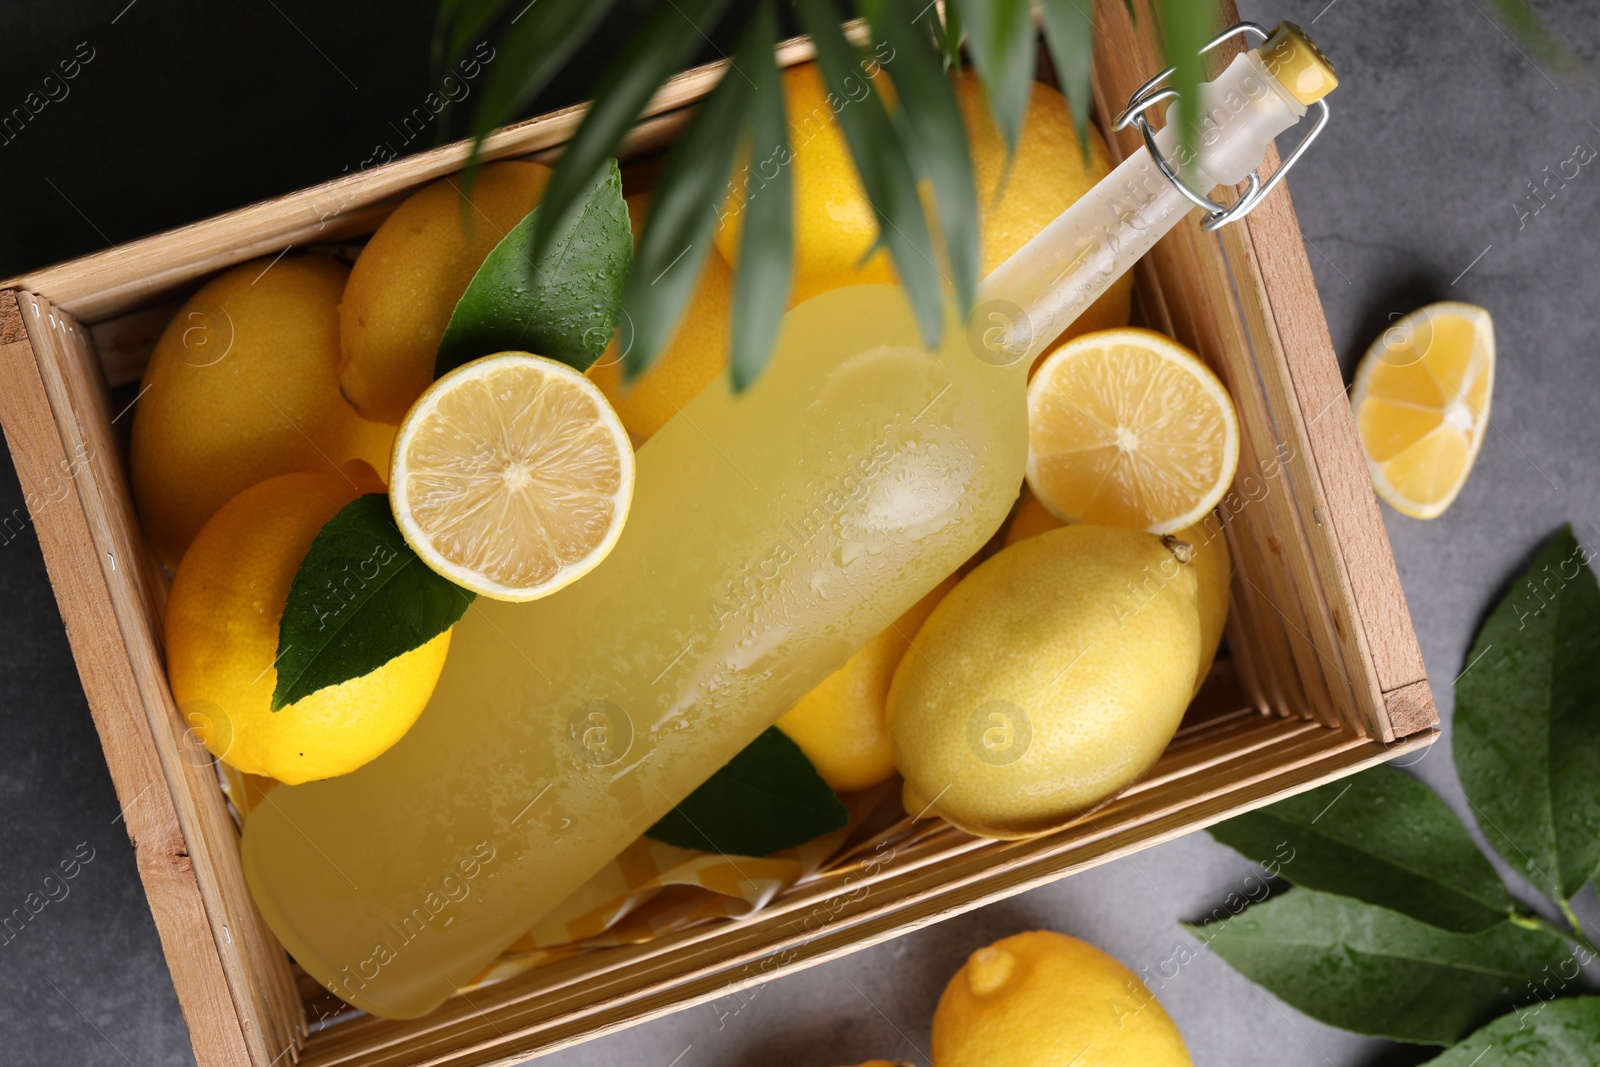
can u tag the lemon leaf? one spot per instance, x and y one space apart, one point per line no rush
1562 1034
1375 971
360 598
1382 837
565 303
1527 722
766 799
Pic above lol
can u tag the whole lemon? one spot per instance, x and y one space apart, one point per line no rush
1043 999
243 385
1048 680
222 640
1211 561
407 280
696 353
840 724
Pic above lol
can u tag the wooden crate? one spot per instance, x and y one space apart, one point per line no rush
1329 676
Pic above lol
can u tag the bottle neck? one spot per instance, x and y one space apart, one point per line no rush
1031 298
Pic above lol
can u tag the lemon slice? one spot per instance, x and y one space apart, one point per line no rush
512 476
1128 428
1421 398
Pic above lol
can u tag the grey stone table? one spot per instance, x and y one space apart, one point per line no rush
1417 192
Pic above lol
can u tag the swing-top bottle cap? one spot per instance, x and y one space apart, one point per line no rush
1299 65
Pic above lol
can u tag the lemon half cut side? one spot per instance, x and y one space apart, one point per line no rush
512 476
1421 398
1128 428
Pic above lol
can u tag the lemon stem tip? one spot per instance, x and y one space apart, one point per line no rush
1181 549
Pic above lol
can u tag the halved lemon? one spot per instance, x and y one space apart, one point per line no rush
1128 428
1421 398
512 476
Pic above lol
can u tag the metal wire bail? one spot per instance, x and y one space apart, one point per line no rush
1217 215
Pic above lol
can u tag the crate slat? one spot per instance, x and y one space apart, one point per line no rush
238 1011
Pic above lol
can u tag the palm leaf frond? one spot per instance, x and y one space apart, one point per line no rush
1069 33
460 23
933 130
766 244
1185 27
535 45
667 41
1001 40
882 163
948 33
683 210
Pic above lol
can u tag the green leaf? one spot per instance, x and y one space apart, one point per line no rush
1527 722
1378 972
460 23
768 798
565 304
935 136
683 210
360 598
766 245
535 45
1525 22
1002 46
1382 837
667 41
882 164
1069 31
1186 26
1565 1033
949 35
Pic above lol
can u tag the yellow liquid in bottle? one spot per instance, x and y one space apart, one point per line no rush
771 535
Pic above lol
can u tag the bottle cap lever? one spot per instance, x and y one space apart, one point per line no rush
1297 64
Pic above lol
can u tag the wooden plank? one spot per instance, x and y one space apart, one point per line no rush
495 1027
1257 644
162 852
1351 543
1194 284
1411 708
258 970
1341 649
